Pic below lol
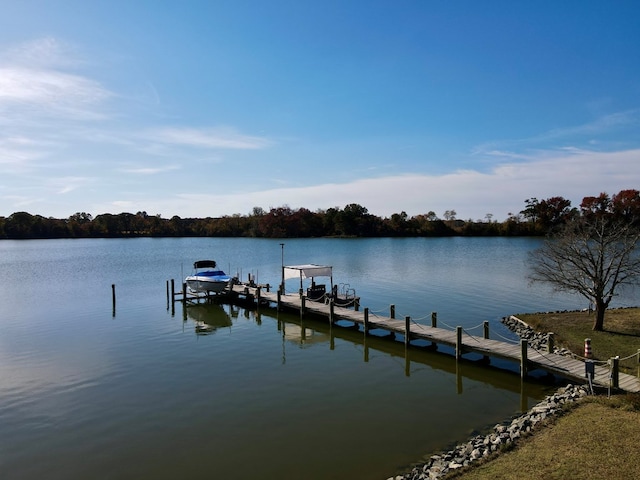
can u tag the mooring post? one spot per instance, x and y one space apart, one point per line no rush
184 293
407 331
485 334
434 319
615 372
302 301
279 298
366 321
523 359
551 342
331 309
258 295
113 294
167 293
458 343
173 291
392 311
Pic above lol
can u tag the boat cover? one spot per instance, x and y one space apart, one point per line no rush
307 271
205 264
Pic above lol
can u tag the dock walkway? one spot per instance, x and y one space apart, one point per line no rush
462 342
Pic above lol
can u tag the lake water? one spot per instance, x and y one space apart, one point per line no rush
89 391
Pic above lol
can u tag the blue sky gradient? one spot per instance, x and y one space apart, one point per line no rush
210 108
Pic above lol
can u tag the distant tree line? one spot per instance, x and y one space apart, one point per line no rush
537 218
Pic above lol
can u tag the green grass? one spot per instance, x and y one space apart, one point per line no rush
596 437
620 337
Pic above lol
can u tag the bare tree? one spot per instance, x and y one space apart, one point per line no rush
590 255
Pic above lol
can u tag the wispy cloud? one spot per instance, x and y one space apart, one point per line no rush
526 148
36 80
150 170
209 138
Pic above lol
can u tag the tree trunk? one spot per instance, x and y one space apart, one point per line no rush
598 324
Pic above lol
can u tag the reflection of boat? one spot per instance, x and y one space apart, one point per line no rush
208 317
342 295
206 279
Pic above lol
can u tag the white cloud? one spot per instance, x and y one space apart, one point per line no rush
28 92
214 138
602 125
572 174
150 170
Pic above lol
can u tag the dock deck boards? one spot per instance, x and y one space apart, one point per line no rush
565 366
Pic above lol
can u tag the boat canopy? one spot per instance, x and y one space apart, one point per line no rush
307 271
204 264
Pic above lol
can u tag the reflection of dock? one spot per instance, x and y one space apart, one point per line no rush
461 342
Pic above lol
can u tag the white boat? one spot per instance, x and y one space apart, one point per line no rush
206 279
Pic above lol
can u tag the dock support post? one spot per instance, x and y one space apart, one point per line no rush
550 342
366 321
279 293
331 310
523 358
434 319
302 302
407 331
113 294
167 294
173 291
184 293
615 372
485 333
458 343
258 296
392 311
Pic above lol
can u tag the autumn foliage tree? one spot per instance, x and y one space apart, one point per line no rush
594 253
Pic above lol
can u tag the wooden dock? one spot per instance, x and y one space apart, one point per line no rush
606 374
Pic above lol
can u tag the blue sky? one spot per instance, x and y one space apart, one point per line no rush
211 108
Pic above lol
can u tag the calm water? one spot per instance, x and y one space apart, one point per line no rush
87 391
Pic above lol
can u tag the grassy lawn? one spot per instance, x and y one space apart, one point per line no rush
621 336
597 437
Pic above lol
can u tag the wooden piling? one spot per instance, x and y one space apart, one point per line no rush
434 319
523 358
331 311
615 372
366 321
184 293
458 343
392 311
407 331
113 295
550 342
173 291
485 334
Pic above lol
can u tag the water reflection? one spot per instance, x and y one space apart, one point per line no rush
307 332
208 317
